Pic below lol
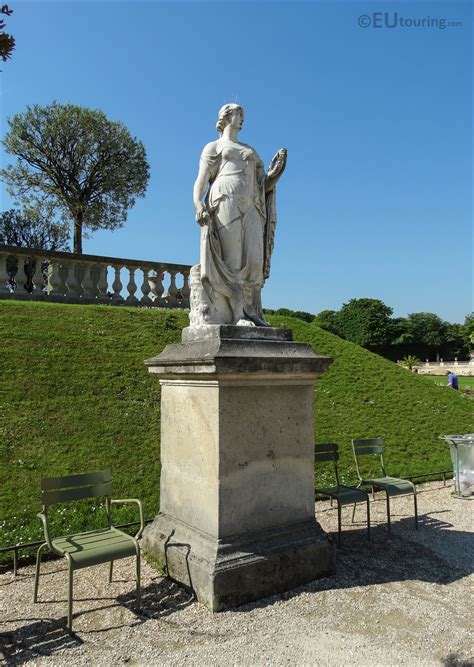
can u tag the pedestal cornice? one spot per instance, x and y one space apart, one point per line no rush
229 351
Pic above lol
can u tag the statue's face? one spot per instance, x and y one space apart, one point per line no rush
236 118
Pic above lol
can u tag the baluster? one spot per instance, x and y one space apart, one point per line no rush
72 282
117 285
157 289
94 270
87 283
4 276
38 278
102 284
63 270
29 268
185 291
80 273
145 289
21 277
132 286
56 281
173 290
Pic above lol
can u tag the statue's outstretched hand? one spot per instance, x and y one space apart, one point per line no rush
202 214
278 164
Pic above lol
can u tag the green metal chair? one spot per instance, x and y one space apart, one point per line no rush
92 547
393 486
344 495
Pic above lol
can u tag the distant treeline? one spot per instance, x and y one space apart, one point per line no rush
369 323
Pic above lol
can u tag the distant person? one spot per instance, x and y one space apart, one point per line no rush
453 380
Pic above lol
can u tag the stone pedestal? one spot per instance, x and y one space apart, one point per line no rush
236 519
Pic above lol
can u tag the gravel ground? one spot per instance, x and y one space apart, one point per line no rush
394 601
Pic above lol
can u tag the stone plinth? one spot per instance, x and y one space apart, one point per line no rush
236 519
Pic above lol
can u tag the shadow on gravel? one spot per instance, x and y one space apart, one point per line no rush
404 556
454 660
34 641
401 557
160 598
46 637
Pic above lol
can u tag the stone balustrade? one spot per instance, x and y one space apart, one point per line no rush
441 367
27 273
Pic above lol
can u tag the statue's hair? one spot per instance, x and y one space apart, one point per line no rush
224 113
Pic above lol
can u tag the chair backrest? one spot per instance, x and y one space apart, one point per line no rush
76 487
327 451
368 446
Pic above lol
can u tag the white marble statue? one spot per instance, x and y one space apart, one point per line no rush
235 206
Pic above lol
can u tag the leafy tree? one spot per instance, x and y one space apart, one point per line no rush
303 315
327 319
7 42
426 329
23 232
284 312
287 312
468 330
455 344
365 322
300 314
77 163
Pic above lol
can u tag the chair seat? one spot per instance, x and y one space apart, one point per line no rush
393 485
346 495
95 546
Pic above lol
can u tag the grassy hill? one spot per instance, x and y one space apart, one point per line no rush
75 396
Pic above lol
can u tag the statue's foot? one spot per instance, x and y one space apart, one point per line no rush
245 323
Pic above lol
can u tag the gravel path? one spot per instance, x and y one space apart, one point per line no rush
404 600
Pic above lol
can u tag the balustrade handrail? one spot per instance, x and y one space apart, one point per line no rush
447 362
35 273
39 252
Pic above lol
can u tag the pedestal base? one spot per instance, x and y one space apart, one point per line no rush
236 518
233 571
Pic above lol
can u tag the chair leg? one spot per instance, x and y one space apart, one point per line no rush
368 518
354 508
37 573
138 579
373 493
388 513
111 569
416 509
69 595
338 523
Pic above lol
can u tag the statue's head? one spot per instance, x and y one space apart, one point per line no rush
225 115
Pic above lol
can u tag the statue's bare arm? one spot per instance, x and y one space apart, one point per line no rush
201 185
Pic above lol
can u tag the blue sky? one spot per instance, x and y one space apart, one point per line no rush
376 198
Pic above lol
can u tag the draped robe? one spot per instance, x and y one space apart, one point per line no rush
237 244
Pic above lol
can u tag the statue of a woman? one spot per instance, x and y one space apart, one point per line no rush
237 218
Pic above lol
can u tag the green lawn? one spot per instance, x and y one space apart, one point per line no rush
465 382
75 396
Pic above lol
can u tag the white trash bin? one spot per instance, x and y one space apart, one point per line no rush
462 456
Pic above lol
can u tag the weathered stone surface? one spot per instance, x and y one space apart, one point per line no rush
234 349
236 515
242 568
229 331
